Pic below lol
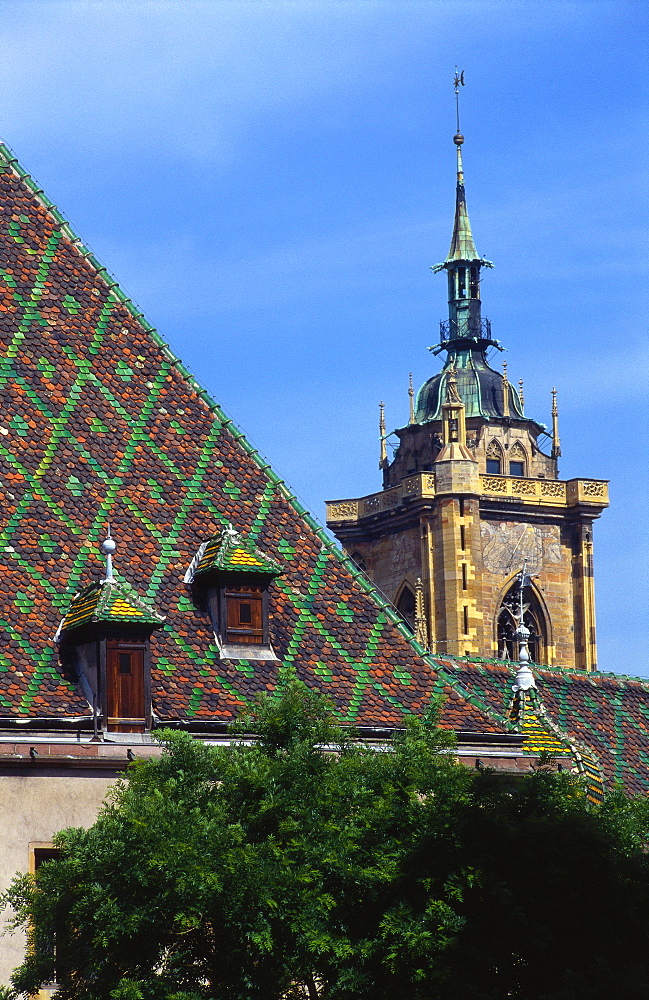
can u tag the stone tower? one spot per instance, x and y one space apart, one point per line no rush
472 507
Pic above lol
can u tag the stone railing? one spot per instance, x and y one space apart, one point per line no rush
422 484
553 492
543 492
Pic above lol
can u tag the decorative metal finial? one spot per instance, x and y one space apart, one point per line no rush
458 82
524 676
411 393
108 547
505 391
520 393
556 444
384 448
421 626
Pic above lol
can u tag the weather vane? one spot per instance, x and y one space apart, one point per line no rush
458 82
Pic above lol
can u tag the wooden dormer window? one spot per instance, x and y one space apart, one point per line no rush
127 675
231 577
243 614
104 643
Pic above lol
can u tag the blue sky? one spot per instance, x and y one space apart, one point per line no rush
270 181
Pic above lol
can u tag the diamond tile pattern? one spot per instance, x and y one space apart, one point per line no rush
229 552
606 713
100 422
109 601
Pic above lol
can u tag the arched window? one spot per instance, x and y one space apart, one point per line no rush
358 561
406 606
494 459
517 460
533 619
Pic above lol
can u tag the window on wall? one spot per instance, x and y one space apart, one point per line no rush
507 623
494 459
39 853
359 561
239 610
406 607
517 460
244 615
125 685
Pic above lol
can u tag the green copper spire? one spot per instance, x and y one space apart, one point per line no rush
463 264
462 245
465 336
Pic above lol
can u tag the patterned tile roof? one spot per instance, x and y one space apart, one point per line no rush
229 552
606 713
542 736
101 422
109 601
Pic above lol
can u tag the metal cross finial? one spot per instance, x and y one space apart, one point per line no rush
556 444
458 82
108 547
524 676
383 461
521 609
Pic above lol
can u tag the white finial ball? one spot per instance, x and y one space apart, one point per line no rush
108 546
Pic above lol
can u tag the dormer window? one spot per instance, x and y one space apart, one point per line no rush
243 614
104 641
231 577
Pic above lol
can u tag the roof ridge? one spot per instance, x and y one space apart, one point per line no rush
12 161
470 696
592 675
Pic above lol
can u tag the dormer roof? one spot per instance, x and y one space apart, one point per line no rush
109 602
229 552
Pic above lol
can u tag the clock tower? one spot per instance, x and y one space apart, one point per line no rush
472 504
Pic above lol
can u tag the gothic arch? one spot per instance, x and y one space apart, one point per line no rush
409 462
495 454
536 619
518 454
406 604
359 561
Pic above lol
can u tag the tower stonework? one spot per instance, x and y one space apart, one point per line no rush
472 504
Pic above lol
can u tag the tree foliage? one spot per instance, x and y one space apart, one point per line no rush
301 863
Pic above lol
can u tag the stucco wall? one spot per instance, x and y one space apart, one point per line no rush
32 809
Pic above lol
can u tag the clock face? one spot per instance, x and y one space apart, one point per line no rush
506 545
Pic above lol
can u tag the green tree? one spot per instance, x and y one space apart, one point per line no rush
301 863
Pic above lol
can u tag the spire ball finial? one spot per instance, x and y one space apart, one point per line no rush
458 138
108 547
